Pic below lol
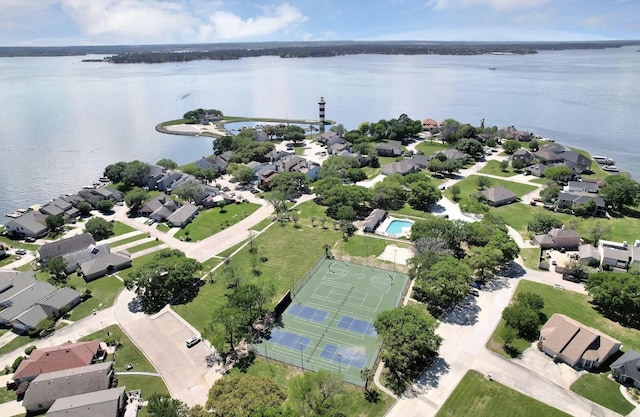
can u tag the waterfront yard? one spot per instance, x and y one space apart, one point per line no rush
476 396
211 221
429 147
469 187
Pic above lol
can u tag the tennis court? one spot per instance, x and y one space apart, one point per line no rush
329 323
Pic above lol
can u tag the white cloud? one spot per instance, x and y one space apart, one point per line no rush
21 7
130 20
229 26
494 4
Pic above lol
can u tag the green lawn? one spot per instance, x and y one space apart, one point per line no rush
518 215
353 402
290 252
477 397
127 353
147 384
15 343
137 264
103 294
261 225
211 221
602 390
624 228
468 187
128 240
121 229
6 395
163 227
411 212
144 246
9 259
574 305
493 168
597 171
428 147
365 246
531 257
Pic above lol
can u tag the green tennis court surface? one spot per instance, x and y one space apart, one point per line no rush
329 323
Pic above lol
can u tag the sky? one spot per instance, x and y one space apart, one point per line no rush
125 22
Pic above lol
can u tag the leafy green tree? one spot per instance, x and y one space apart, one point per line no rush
164 278
338 166
558 173
291 183
517 164
57 267
294 133
534 145
593 230
240 173
162 405
99 228
485 261
550 193
436 166
620 191
244 396
409 342
530 300
422 194
491 142
115 171
316 394
223 144
84 208
522 318
441 285
105 206
470 147
356 175
467 131
136 174
451 166
136 198
542 223
167 163
389 195
455 192
324 185
189 190
54 222
483 182
353 196
504 165
511 146
615 294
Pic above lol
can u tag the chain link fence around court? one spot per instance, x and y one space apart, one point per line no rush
307 276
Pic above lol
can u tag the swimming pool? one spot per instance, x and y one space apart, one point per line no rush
398 227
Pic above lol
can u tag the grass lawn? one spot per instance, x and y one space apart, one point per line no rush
261 225
103 294
542 181
128 240
143 246
16 343
121 229
624 228
428 147
211 221
493 168
602 390
290 252
477 397
147 384
353 402
163 227
468 187
574 305
531 257
232 249
127 353
9 259
137 264
372 172
411 212
6 395
518 215
365 246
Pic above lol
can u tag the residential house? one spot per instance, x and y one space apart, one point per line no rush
626 369
406 166
65 246
336 148
422 161
566 200
53 305
275 156
454 154
558 238
75 259
618 256
569 341
60 206
522 155
430 125
255 166
31 224
265 177
582 187
499 196
537 170
291 163
207 162
183 215
222 161
373 220
311 170
589 255
547 156
334 140
104 403
57 358
576 161
362 160
104 265
95 195
159 208
170 180
46 388
391 148
511 133
325 137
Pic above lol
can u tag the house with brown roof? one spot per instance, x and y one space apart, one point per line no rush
499 196
522 155
430 126
58 358
569 341
558 238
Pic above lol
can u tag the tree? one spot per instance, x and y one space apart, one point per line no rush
620 191
615 294
530 300
54 222
471 147
240 173
57 267
442 284
291 183
136 198
550 193
521 318
452 165
337 166
542 223
244 396
294 133
511 146
99 228
455 192
162 405
136 174
316 394
594 229
223 144
105 206
436 166
167 163
558 173
84 207
114 171
422 194
409 342
491 142
517 164
189 190
485 261
467 131
483 182
389 195
504 165
164 278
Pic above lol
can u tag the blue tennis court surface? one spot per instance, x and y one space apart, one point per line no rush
290 340
345 356
358 326
308 313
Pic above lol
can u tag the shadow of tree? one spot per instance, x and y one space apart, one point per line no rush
463 314
190 292
429 378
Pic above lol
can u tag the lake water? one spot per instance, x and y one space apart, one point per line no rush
62 121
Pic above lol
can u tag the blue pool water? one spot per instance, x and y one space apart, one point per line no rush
396 226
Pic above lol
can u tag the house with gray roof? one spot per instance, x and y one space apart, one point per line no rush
522 155
373 220
537 170
499 196
626 369
406 166
390 148
618 255
31 224
24 301
46 388
94 195
104 403
222 161
75 259
104 265
589 255
453 154
207 162
567 199
12 283
421 161
558 238
581 186
65 246
183 215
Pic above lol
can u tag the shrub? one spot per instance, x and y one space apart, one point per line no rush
29 349
16 363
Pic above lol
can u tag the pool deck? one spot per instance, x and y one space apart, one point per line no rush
382 228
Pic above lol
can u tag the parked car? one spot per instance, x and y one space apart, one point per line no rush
21 252
569 277
254 191
30 239
150 222
476 285
474 292
128 366
225 188
192 341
